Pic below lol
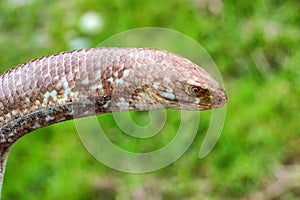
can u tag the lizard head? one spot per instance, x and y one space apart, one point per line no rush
165 80
188 86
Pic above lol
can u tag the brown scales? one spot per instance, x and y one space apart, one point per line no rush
84 82
45 75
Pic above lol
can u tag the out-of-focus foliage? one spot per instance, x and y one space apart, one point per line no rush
255 44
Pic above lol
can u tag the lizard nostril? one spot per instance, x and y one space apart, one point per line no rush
219 101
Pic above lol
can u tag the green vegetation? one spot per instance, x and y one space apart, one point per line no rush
255 44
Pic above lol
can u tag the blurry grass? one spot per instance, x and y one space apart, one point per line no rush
255 45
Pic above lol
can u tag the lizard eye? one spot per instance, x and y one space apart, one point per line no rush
198 91
194 90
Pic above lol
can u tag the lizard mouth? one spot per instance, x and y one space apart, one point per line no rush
209 101
182 104
199 103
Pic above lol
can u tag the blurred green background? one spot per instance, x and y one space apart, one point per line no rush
255 44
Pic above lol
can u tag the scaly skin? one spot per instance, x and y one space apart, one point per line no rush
66 85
